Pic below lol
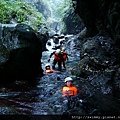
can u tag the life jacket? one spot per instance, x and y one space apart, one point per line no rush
49 71
57 57
69 91
64 54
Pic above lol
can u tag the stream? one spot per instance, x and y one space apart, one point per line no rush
44 98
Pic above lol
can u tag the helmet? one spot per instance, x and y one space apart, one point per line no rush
48 64
58 51
68 79
62 49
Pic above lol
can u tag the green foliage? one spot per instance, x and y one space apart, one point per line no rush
21 11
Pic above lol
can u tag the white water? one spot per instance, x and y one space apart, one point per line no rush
54 22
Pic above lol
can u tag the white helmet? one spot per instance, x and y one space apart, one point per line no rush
62 49
58 51
68 79
48 64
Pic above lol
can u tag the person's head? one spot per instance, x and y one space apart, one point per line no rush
62 49
58 51
47 66
68 81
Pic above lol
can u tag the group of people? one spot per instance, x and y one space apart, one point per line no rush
60 57
69 89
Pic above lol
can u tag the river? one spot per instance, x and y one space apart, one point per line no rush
43 98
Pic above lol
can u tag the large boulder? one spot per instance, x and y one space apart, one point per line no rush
73 23
100 16
88 11
99 70
20 54
99 66
44 38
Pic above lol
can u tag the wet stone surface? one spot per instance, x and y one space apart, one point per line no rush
44 98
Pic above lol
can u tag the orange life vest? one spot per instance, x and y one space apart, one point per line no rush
57 57
69 91
49 71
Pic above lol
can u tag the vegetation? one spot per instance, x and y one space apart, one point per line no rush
21 11
24 12
59 9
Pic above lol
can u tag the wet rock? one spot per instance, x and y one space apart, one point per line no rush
88 11
73 24
98 70
43 35
21 51
46 97
100 16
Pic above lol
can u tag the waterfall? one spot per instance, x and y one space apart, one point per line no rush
54 21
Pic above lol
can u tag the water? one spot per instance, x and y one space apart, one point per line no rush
44 98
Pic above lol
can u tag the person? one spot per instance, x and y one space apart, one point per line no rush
64 56
69 89
70 93
57 59
48 69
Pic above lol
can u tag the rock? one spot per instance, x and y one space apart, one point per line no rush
100 16
98 70
43 8
44 38
88 12
73 24
21 52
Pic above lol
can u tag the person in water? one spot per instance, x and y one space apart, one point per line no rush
64 57
70 92
57 59
69 89
48 69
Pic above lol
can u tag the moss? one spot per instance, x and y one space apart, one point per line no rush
21 11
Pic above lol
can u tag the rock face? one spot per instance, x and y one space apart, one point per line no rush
44 38
73 24
20 54
99 72
100 15
40 5
99 67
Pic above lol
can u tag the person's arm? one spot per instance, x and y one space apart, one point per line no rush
51 56
63 92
